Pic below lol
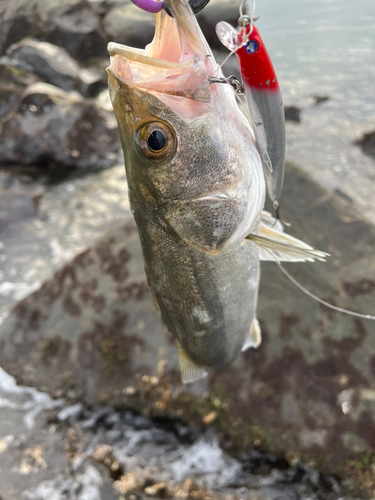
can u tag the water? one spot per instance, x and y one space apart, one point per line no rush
327 47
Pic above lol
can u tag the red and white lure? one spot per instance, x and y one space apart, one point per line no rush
263 97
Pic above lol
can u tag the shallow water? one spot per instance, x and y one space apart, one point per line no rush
327 47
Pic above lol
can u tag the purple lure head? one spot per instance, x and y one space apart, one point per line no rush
149 5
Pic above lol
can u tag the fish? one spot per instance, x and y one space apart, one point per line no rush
263 97
197 192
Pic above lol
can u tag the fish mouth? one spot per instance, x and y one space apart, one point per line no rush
177 62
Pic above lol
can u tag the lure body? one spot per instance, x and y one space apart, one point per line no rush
264 101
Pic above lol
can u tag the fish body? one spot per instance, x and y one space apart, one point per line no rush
264 100
196 189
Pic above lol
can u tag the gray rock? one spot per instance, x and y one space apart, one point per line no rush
318 98
292 113
71 24
93 80
55 66
16 207
102 7
15 76
367 143
53 128
52 64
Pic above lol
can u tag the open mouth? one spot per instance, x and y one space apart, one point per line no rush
177 62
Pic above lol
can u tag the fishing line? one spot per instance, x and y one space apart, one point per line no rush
321 301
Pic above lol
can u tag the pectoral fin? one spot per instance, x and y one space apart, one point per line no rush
190 371
274 244
254 338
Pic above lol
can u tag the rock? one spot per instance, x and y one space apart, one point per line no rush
102 452
367 143
102 7
292 113
92 328
93 80
71 24
51 63
318 99
53 128
16 207
128 24
15 76
55 66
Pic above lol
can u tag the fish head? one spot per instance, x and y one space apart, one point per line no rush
189 151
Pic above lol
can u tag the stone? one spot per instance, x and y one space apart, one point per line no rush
318 98
292 113
16 207
15 76
367 143
71 24
52 64
53 128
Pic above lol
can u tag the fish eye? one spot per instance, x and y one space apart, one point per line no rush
251 46
156 141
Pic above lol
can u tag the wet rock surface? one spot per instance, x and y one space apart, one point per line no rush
91 333
79 451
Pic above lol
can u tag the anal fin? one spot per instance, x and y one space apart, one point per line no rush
254 338
190 371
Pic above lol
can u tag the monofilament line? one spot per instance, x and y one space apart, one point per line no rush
321 301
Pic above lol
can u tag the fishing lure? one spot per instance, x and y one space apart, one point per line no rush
156 6
263 97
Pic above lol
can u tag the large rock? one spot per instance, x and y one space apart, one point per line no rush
54 65
71 24
93 329
55 129
51 63
15 76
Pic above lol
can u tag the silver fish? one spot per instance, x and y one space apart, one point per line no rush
197 190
